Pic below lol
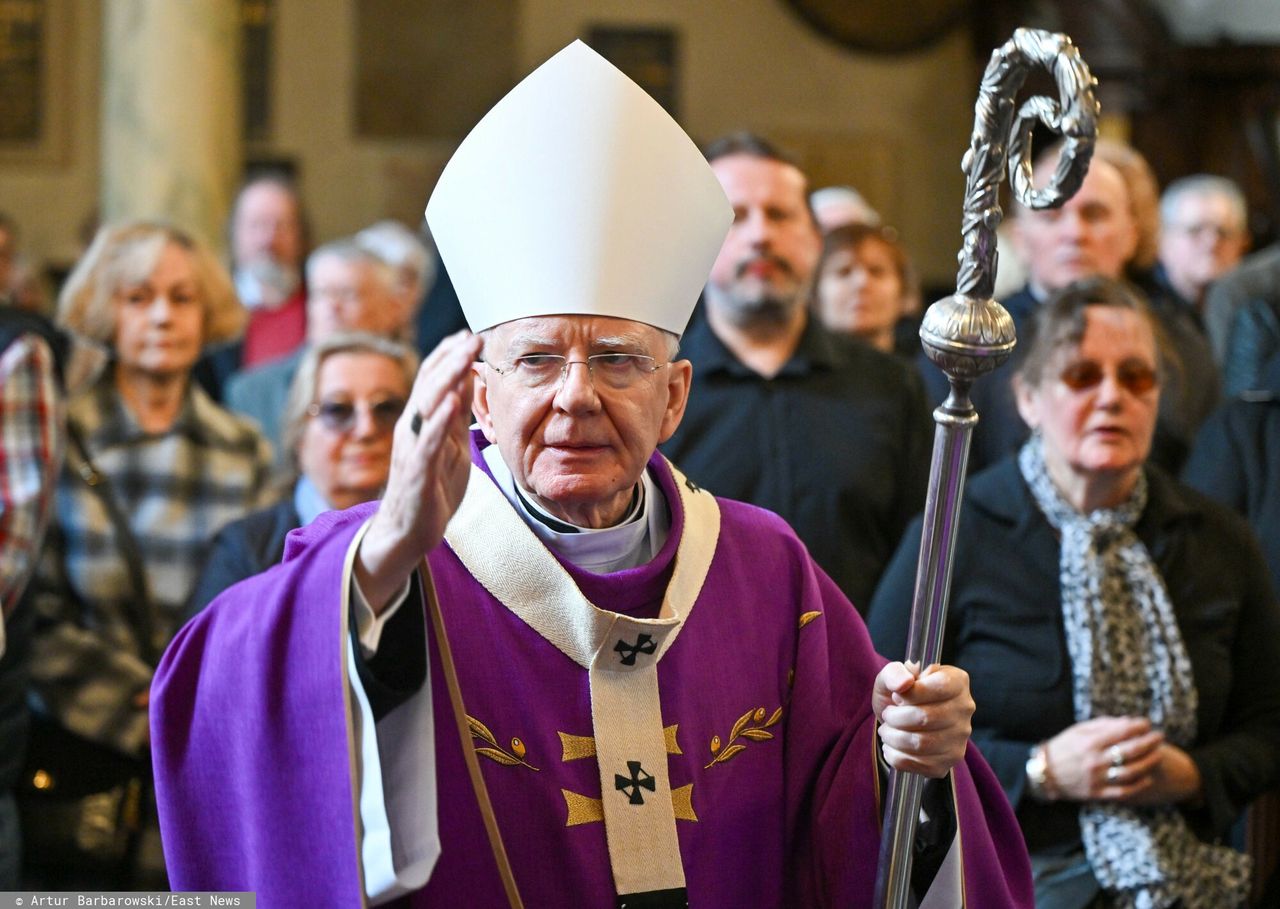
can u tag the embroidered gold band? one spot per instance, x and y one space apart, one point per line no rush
620 653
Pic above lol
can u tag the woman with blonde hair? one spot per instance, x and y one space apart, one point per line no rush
342 407
153 470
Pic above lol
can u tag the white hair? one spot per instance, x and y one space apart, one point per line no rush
347 250
1204 185
670 339
399 247
846 199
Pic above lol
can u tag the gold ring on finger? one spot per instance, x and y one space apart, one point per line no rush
1117 756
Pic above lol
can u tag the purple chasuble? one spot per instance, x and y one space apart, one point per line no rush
765 698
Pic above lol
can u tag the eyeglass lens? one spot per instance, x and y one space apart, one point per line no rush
340 416
613 370
1134 377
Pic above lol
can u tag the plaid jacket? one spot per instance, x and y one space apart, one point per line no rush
30 447
176 489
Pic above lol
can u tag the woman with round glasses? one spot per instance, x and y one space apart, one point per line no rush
1119 629
343 405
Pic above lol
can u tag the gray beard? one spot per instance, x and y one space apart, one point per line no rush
267 283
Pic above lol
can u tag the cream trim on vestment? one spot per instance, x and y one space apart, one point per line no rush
354 755
620 653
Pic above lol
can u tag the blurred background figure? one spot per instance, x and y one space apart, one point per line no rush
1193 391
30 406
866 288
268 245
1109 229
1120 631
38 363
840 206
30 425
439 312
154 468
1011 271
350 289
1242 311
413 261
20 283
1203 235
269 239
348 392
8 256
1236 460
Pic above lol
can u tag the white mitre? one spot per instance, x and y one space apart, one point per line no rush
578 194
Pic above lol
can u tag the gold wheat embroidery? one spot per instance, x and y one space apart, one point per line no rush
745 730
805 619
496 752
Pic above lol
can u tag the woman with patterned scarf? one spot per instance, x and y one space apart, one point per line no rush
1120 630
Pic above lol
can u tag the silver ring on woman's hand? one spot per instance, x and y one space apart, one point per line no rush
1113 774
1117 756
415 423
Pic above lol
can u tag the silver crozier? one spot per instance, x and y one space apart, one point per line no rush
968 335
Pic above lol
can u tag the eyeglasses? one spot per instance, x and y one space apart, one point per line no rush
1133 376
1207 230
610 370
340 416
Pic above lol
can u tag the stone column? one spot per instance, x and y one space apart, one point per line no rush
171 131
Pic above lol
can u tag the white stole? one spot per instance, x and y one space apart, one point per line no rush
620 653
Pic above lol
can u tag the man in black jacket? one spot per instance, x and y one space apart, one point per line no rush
818 427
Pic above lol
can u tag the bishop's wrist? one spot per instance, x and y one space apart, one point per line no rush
382 565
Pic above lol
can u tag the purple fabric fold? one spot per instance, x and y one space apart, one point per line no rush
252 760
249 739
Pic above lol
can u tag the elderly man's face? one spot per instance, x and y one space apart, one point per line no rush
1204 239
764 268
267 226
348 295
578 443
1094 233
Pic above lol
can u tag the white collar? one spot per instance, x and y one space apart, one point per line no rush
601 551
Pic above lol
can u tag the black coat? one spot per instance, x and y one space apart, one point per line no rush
837 443
1236 460
216 365
242 549
1242 314
1005 628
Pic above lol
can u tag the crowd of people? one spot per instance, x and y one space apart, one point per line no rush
180 426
